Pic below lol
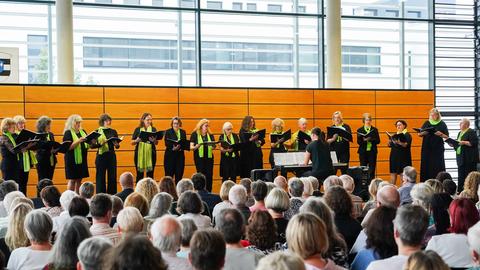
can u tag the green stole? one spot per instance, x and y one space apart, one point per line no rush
339 139
434 122
231 141
369 144
459 138
52 159
78 149
102 141
9 136
200 149
144 154
296 143
27 156
258 144
177 133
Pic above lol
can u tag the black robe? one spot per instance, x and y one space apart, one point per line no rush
433 160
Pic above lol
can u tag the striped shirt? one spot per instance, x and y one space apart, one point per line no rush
104 230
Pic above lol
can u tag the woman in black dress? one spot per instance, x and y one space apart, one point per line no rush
251 156
106 160
145 155
367 145
10 159
45 157
174 159
27 158
400 154
76 166
229 158
202 144
340 145
277 147
433 160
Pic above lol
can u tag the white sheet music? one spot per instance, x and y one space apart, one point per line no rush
289 158
333 156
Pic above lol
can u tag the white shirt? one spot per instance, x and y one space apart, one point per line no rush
176 263
28 259
393 263
60 220
202 222
219 207
360 243
3 211
453 248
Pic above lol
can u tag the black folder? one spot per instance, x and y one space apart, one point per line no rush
302 136
332 130
453 143
235 146
430 130
209 143
365 135
184 144
27 135
115 139
144 135
92 136
261 134
285 136
400 137
21 146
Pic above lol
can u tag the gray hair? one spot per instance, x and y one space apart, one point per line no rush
331 181
87 189
66 198
184 185
6 187
411 222
422 194
188 229
307 186
42 123
38 226
166 234
277 200
281 260
130 220
295 187
9 198
347 182
410 173
91 252
315 182
160 205
237 195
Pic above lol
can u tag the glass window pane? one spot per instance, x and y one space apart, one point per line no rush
214 5
391 8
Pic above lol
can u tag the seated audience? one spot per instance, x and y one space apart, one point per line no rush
188 229
331 181
65 200
238 197
182 186
37 202
316 186
101 211
470 189
409 227
92 253
38 227
207 250
349 185
224 190
138 201
247 184
473 237
199 182
450 187
435 185
166 236
409 178
78 207
259 192
129 221
148 188
307 237
439 213
387 195
277 203
281 182
295 189
231 224
126 182
372 190
190 206
51 199
167 185
87 190
262 233
5 188
307 188
8 202
442 176
16 235
270 186
421 195
117 206
159 207
280 260
425 260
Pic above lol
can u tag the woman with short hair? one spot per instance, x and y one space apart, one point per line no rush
262 233
277 147
9 165
229 158
174 159
277 203
145 154
51 199
202 143
27 159
190 206
46 158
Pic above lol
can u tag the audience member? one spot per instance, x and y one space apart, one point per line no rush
436 185
199 182
51 199
190 206
92 253
182 186
138 201
372 190
277 203
425 260
37 202
270 186
473 237
281 182
307 188
167 184
247 184
160 206
238 197
5 188
331 181
65 200
224 190
126 182
129 221
442 176
409 178
101 211
422 194
470 189
16 235
8 202
316 186
450 187
295 189
188 229
349 185
280 260
117 206
78 207
148 188
87 190
439 209
207 250
262 233
259 192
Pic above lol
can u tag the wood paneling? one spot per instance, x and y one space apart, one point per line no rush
12 93
63 110
348 111
213 95
283 111
403 111
135 110
141 95
400 97
344 97
222 111
11 109
63 94
280 96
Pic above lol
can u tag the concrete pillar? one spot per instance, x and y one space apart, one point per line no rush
334 44
64 16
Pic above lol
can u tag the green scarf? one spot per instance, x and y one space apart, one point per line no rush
200 150
28 156
78 148
295 136
231 141
144 154
339 139
102 141
9 136
277 132
178 134
403 131
258 144
52 159
369 144
434 122
459 138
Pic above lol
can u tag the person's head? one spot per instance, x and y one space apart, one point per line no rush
317 134
247 184
248 123
277 200
64 253
471 185
207 250
92 252
167 185
261 230
87 189
409 174
203 127
295 187
400 125
225 189
464 124
16 236
66 199
9 198
442 176
439 212
315 183
231 224
227 128
337 118
130 220
463 215
425 260
373 188
147 187
50 196
280 260
101 207
436 185
422 194
347 182
135 252
302 124
338 199
199 181
184 185
19 122
176 123
188 229
126 180
43 124
450 187
281 182
189 202
237 195
7 187
7 126
74 121
166 234
435 115
307 187
259 190
277 125
160 205
38 226
41 184
78 207
410 225
331 181
146 120
138 201
307 235
104 120
367 119
379 231
473 237
388 196
117 205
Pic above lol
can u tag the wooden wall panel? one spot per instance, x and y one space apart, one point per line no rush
348 111
47 94
11 109
213 95
344 97
283 111
11 93
63 110
399 97
135 110
215 111
402 111
141 95
273 96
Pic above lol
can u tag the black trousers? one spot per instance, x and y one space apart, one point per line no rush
343 158
106 169
23 181
463 171
141 175
174 164
205 165
369 158
45 170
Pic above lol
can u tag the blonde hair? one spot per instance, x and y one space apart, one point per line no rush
435 110
307 186
470 188
339 113
366 116
225 189
19 119
436 185
280 260
301 121
130 220
374 187
425 260
138 201
277 200
199 125
6 122
277 122
71 120
307 235
226 125
148 188
16 235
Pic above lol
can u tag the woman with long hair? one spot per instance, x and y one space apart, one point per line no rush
27 159
174 159
278 146
340 145
145 156
251 156
10 158
46 158
202 143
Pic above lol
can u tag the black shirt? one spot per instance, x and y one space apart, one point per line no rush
320 156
